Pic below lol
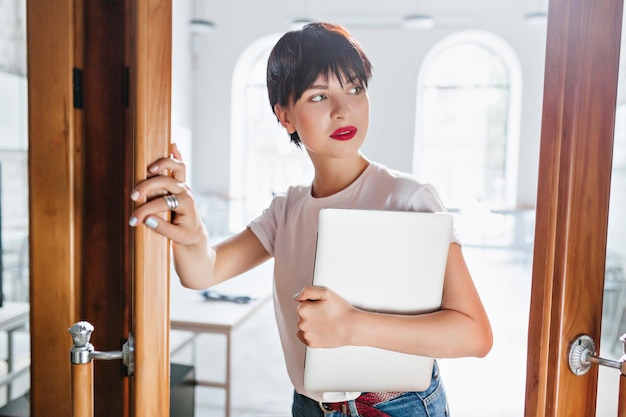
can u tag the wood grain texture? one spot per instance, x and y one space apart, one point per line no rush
580 91
53 206
83 164
82 390
103 200
621 406
151 72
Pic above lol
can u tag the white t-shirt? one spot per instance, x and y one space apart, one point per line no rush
288 230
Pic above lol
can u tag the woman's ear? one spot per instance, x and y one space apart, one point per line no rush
283 117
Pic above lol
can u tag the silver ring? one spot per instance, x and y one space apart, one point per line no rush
172 202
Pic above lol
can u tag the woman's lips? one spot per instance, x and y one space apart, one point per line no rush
344 133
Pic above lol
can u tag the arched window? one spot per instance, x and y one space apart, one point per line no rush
263 160
467 123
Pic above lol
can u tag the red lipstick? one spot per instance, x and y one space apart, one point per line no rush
344 133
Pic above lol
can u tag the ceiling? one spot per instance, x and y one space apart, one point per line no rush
381 14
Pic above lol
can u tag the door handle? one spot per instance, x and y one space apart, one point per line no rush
83 352
82 355
582 354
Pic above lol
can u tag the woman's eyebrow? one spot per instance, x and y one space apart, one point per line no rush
318 87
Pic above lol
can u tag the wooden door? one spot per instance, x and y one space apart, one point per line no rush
150 107
582 61
99 100
53 178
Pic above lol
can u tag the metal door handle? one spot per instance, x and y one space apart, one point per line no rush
83 352
82 355
582 354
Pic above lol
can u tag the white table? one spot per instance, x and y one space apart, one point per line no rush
190 312
13 316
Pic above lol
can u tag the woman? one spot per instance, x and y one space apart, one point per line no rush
317 80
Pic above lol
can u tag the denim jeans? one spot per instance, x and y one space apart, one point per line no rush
429 403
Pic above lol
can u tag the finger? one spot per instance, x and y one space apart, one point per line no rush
175 152
159 206
162 226
300 310
312 293
176 168
301 337
307 310
156 186
181 173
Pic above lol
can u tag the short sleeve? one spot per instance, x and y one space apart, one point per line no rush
427 199
266 225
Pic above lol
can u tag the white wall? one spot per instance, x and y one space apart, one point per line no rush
395 53
13 36
182 61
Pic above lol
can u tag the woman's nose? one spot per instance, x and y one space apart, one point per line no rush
339 109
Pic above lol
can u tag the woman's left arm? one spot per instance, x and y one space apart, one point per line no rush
460 328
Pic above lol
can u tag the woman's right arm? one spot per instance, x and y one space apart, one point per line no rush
200 266
197 264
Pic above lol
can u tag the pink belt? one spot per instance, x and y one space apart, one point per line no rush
364 404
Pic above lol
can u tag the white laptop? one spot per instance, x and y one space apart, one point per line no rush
386 261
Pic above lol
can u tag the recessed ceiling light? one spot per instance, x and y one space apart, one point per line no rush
298 24
418 21
536 18
201 26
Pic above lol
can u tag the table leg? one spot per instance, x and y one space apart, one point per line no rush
9 362
228 371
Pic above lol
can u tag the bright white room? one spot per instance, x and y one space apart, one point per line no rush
471 78
471 74
456 99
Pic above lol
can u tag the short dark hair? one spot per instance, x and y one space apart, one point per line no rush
300 56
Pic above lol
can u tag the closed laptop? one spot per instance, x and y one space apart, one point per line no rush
383 261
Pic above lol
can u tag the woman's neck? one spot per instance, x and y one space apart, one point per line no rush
332 176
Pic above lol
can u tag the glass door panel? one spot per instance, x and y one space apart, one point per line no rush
614 304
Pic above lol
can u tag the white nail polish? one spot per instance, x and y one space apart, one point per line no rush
134 195
151 222
153 168
133 221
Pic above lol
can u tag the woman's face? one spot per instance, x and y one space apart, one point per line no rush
331 119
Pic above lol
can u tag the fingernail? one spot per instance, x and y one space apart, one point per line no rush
134 195
153 168
296 295
151 222
133 221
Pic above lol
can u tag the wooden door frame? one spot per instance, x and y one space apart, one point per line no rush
85 261
151 105
53 182
582 66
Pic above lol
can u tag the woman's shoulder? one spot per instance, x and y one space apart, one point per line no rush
405 190
396 177
293 194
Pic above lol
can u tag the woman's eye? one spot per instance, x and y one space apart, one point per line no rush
355 90
318 97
